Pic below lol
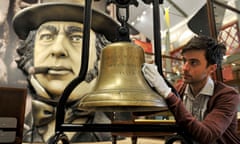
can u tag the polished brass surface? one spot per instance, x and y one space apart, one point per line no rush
121 85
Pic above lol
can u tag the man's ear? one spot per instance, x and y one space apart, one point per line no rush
212 68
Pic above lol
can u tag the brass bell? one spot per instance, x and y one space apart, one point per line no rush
121 85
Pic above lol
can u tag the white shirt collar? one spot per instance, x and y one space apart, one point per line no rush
208 89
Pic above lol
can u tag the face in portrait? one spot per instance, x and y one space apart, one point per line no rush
50 56
58 48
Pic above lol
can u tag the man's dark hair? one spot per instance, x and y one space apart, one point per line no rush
214 51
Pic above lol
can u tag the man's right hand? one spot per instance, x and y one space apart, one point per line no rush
153 77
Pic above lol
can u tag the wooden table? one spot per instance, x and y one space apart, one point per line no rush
135 134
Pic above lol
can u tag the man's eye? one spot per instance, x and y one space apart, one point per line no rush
76 38
193 63
46 37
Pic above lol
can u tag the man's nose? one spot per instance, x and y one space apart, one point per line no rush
59 48
185 66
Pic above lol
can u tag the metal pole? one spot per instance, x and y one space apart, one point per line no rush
213 33
157 36
60 112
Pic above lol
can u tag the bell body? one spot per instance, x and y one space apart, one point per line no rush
121 85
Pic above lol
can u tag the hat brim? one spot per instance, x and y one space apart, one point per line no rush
32 17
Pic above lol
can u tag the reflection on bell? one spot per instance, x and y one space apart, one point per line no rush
121 85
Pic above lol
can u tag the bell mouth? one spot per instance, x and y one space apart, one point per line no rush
123 101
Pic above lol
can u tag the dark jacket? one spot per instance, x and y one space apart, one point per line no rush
220 124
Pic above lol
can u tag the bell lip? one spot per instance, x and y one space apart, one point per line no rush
32 17
118 100
123 108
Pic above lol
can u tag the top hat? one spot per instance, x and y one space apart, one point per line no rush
32 17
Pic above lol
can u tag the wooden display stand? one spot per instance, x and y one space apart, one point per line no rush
12 110
135 135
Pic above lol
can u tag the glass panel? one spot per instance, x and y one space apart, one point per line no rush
227 15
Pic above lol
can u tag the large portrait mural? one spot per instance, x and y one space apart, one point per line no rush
40 48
